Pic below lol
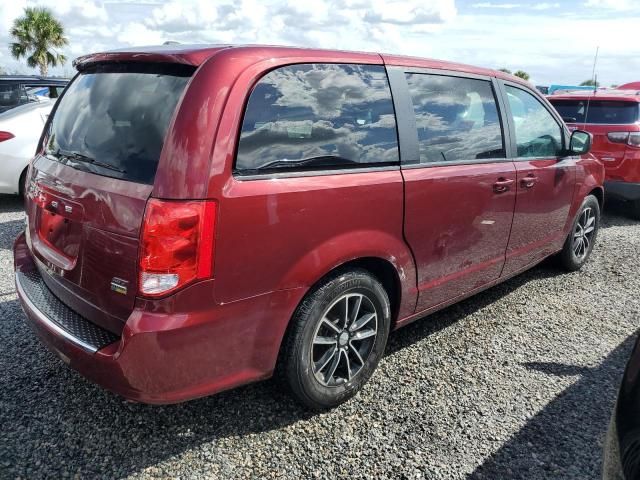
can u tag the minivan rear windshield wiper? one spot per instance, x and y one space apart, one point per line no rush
79 157
320 161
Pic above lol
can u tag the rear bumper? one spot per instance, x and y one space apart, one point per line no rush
622 190
164 355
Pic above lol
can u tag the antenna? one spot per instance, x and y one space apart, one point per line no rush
594 79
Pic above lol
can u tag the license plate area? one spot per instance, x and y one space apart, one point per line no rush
59 226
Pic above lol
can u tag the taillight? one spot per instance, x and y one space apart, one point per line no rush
630 138
177 245
6 136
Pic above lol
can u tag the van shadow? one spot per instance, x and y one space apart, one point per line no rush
560 440
56 424
50 409
440 320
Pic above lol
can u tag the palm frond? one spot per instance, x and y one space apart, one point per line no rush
37 33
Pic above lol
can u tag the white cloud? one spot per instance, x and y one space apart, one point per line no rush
612 4
136 33
492 33
545 6
506 6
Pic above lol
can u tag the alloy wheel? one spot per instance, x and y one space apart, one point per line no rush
583 233
343 339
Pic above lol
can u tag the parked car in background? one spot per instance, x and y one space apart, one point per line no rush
17 90
567 88
199 217
20 130
622 445
613 117
630 86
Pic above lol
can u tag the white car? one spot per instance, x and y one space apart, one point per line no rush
20 130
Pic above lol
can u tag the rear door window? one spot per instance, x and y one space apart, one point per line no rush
318 117
457 118
538 134
597 111
112 119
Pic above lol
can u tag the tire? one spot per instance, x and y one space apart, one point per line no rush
22 181
582 237
635 209
324 363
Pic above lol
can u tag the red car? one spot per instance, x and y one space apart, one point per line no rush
200 217
613 118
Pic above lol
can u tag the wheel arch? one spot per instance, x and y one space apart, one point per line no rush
382 270
598 192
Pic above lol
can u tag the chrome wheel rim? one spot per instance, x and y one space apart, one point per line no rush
344 339
583 233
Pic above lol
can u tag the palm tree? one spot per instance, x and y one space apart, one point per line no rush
523 75
37 34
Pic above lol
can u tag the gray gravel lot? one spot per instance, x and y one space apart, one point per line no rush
517 382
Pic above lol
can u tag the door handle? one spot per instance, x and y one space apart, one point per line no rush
529 181
502 185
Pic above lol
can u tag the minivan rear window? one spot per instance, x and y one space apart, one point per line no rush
599 111
112 119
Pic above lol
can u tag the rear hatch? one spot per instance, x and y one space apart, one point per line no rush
603 119
90 183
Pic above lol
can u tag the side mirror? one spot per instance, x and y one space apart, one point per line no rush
580 142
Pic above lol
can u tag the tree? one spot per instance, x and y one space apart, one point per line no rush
523 75
590 83
37 34
505 70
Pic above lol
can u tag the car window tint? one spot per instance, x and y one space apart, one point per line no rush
319 116
116 116
597 111
11 95
537 132
457 118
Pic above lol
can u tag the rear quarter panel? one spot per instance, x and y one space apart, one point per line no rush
277 234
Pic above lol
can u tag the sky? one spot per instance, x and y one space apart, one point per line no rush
555 41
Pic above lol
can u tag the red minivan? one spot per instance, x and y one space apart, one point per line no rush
613 118
200 217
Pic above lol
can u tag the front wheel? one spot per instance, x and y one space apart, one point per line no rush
580 241
337 337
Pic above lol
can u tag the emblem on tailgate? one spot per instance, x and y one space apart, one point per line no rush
119 285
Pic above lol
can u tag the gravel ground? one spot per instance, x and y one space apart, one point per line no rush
517 382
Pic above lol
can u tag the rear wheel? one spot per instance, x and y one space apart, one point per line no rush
337 337
580 241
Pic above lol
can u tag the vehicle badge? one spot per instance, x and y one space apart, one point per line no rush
119 285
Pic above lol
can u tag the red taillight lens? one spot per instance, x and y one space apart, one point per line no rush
177 245
6 136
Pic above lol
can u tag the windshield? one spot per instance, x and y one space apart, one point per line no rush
600 111
112 119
